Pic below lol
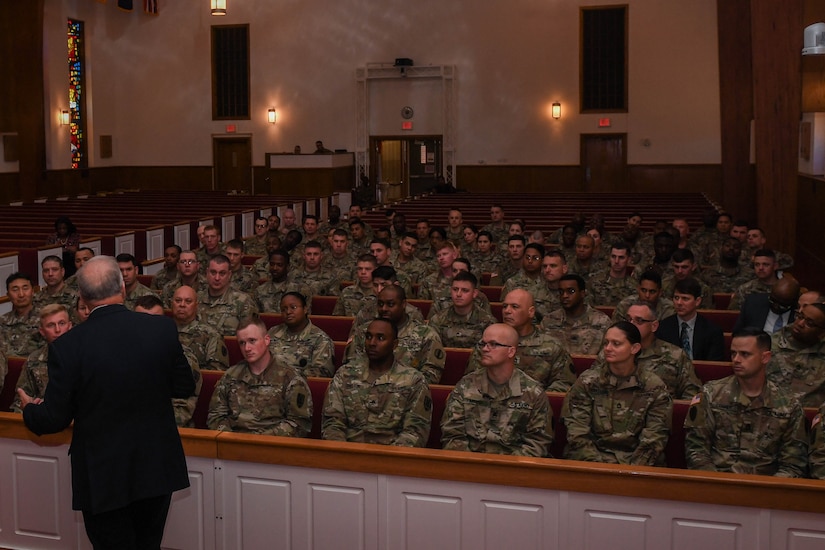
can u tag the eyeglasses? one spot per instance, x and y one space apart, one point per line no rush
570 291
187 262
807 321
637 320
481 344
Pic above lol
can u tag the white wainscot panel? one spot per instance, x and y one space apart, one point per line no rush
342 505
508 525
8 265
125 244
182 235
248 223
36 475
228 228
154 244
797 531
191 521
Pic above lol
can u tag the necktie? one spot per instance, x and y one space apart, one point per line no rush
780 322
685 338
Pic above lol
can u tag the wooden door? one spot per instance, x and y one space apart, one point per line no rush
604 162
233 164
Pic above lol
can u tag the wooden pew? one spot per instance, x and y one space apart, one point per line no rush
210 379
338 328
8 394
323 305
455 364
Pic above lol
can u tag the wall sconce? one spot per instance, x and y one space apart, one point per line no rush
64 118
272 115
555 111
218 7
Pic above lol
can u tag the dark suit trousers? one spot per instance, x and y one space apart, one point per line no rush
138 526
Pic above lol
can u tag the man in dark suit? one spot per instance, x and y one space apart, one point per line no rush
701 339
115 375
770 312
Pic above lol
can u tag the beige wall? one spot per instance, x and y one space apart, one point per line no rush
149 78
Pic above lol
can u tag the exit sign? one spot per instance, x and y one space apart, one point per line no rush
406 125
604 123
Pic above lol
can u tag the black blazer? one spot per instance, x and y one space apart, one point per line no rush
115 375
708 340
754 312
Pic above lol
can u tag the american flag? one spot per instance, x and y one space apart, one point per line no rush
150 6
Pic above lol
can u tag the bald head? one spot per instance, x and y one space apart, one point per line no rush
100 282
518 311
503 334
785 293
810 297
185 305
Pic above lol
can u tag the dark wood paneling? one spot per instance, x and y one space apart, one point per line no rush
306 181
776 55
810 251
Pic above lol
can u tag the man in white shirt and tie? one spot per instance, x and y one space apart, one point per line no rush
770 312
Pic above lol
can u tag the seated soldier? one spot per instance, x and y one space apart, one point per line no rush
498 408
320 282
188 274
54 321
333 221
212 245
816 450
469 244
649 290
382 277
665 360
579 327
584 263
221 306
798 356
546 296
567 245
360 238
437 284
56 290
683 264
260 269
700 338
309 229
169 272
727 275
404 260
205 343
381 249
610 286
290 221
513 264
539 355
260 395
744 423
498 228
443 300
765 270
455 226
357 211
423 251
376 399
129 270
340 259
462 324
530 276
618 412
184 407
273 223
256 244
755 241
487 259
19 334
242 278
664 245
82 256
419 345
268 296
354 297
298 343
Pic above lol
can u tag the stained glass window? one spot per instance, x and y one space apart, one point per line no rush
76 104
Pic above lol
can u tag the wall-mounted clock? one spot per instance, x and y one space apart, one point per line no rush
407 112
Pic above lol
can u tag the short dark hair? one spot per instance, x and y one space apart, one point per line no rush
356 221
390 322
535 246
765 253
385 272
383 242
279 252
126 258
464 261
556 253
575 277
19 275
763 339
301 298
367 258
466 276
176 247
311 217
312 244
688 285
683 255
52 258
485 234
236 244
516 238
439 230
410 235
219 259
651 276
148 301
340 233
620 245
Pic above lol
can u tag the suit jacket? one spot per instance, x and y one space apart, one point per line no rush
754 312
115 375
708 339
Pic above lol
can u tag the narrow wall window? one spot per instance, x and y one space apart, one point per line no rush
604 59
77 105
230 72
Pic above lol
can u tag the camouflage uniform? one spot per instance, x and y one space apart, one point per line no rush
33 377
137 292
671 364
224 312
542 358
604 290
4 369
546 300
343 268
169 288
20 335
162 278
669 287
727 431
394 408
725 280
206 345
415 270
253 247
360 247
617 420
185 407
65 297
419 346
664 308
244 281
523 281
275 402
260 269
321 283
445 301
267 297
352 299
310 352
801 370
754 286
456 236
461 331
487 263
512 419
506 270
582 335
816 455
573 266
203 256
500 233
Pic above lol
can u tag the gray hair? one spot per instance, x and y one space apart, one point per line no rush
99 278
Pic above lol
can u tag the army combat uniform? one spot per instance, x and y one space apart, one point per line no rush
816 451
664 308
511 419
66 297
310 351
33 377
723 280
162 278
605 290
727 431
275 402
617 420
137 292
542 358
582 335
353 299
393 408
321 283
523 281
206 344
268 296
184 407
169 288
20 335
224 312
754 286
802 370
461 331
244 280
